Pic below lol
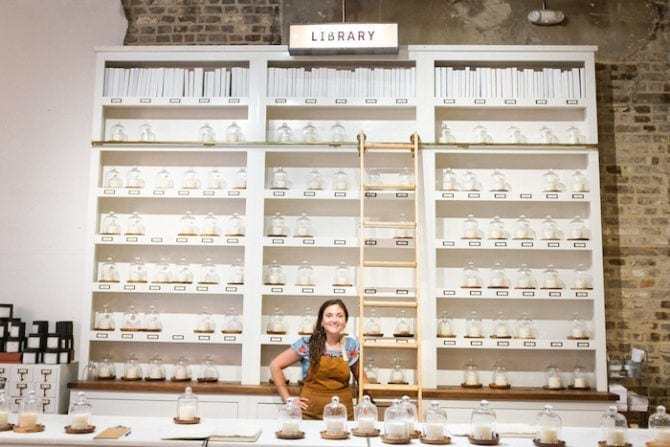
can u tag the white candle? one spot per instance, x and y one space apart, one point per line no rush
28 419
501 380
579 187
304 279
548 435
482 431
112 228
186 412
549 234
449 185
274 278
578 332
279 183
576 233
396 430
580 382
554 382
475 331
203 326
581 284
191 184
162 277
335 426
237 278
131 373
278 326
155 372
502 331
79 420
521 234
551 186
104 371
290 427
402 328
524 283
433 430
497 282
524 332
471 282
180 373
471 378
397 376
616 436
662 435
551 283
114 182
4 418
366 425
496 234
341 185
445 329
471 234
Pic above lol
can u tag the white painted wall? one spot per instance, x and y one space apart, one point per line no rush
47 66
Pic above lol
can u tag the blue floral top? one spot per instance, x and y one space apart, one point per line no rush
301 347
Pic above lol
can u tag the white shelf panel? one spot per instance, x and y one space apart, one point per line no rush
515 294
514 343
513 244
173 193
165 336
216 289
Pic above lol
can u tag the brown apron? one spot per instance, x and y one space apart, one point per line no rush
331 378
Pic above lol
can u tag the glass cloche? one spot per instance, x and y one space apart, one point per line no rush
284 134
340 181
412 415
191 179
483 423
279 179
131 320
289 420
90 373
303 226
434 423
449 180
498 277
276 324
522 229
135 225
473 325
146 133
187 406
204 321
152 320
397 375
514 135
275 275
578 329
579 182
236 275
496 229
524 278
137 271
481 135
471 228
365 415
134 178
188 225
501 327
498 182
525 328
278 226
232 323
113 179
471 375
307 322
305 275
156 369
659 424
216 179
132 370
208 273
183 275
373 326
241 179
550 229
499 377
580 379
614 427
210 225
551 182
110 224
235 226
206 134
309 134
471 277
446 136
164 180
118 133
208 371
374 177
552 378
470 182
548 426
337 133
547 136
403 326
81 412
395 422
234 133
342 275
163 272
104 320
106 368
314 180
445 326
335 417
577 230
550 278
371 371
181 371
30 412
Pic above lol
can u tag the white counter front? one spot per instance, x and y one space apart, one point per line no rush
148 431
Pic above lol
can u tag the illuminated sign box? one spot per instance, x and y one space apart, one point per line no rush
343 38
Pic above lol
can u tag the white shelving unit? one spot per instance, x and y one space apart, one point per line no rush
388 97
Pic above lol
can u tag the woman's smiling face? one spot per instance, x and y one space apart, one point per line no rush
334 319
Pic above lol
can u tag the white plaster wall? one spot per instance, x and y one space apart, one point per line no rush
47 66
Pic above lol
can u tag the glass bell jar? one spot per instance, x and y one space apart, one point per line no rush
241 179
191 180
184 275
111 224
499 377
131 320
30 412
314 180
471 228
412 415
305 276
152 320
579 182
132 370
309 134
445 326
551 182
471 278
434 423
550 279
335 417
234 133
374 177
614 428
210 225
90 373
283 134
496 229
550 231
498 277
118 133
578 329
276 324
574 135
135 225
515 136
522 229
405 177
236 275
104 320
164 180
582 280
113 179
483 423
371 371
525 328
343 275
449 180
473 325
395 422
146 133
446 136
278 227
337 133
156 369
552 378
577 230
659 424
206 134
137 272
289 419
204 321
80 413
181 371
471 375
209 373
403 326
373 326
524 278
470 182
481 135
501 327
547 136
106 368
187 406
208 273
235 226
188 225
216 180
275 274
580 379
134 178
303 226
307 322
498 182
397 375
109 272
340 181
548 426
365 415
163 272
232 322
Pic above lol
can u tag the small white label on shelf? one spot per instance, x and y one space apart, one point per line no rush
128 336
46 372
233 193
502 293
555 294
310 100
500 244
525 195
447 195
554 244
107 239
109 192
280 100
309 194
338 290
572 102
229 338
449 342
583 344
233 100
402 340
556 344
579 244
578 196
278 193
474 244
371 195
473 195
159 192
448 243
104 286
582 294
480 101
204 338
402 243
402 292
339 242
175 100
231 289
179 288
183 192
177 337
449 292
101 335
129 287
307 290
276 339
278 241
476 343
371 100
340 194
449 101
131 239
401 101
500 195
370 291
157 239
527 293
510 101
308 242
277 289
475 293
204 100
233 240
340 101
208 193
401 195
116 100
207 240
529 344
527 244
134 192
551 196
202 288
370 242
502 344
157 288
540 101
152 336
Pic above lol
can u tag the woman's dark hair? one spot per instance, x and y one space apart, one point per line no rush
317 342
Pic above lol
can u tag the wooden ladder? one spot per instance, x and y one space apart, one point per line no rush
406 297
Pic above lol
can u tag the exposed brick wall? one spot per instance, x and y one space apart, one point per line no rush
202 22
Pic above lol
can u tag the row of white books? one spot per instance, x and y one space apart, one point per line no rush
176 82
510 82
323 82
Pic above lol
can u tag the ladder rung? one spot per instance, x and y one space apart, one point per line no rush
403 264
389 303
389 387
390 186
372 224
381 146
390 345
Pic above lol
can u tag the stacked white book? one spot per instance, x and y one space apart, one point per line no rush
326 82
509 82
174 82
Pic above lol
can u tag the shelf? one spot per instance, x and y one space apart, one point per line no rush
514 294
513 244
513 343
216 289
165 337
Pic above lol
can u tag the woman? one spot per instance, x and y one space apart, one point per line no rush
327 357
